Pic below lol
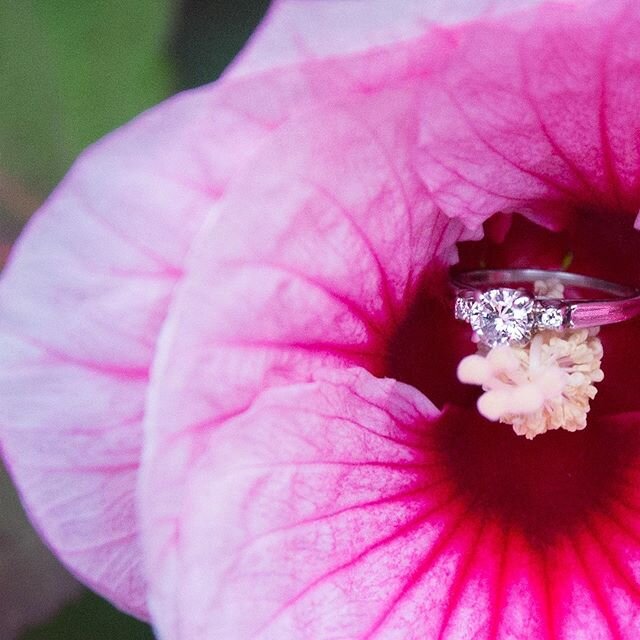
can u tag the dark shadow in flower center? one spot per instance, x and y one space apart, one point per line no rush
548 486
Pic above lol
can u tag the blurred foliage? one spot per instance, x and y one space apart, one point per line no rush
209 34
32 583
70 71
73 70
91 618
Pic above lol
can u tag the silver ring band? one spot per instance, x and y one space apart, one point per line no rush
622 304
498 294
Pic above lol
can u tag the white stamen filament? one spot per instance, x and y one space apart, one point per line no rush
544 386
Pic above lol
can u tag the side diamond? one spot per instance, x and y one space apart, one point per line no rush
552 318
463 308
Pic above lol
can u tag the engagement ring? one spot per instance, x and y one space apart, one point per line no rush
502 308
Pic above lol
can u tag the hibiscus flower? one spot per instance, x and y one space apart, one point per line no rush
310 465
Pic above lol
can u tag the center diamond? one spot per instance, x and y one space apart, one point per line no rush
502 316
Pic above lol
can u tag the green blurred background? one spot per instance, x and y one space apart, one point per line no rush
70 71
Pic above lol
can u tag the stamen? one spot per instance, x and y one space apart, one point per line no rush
544 386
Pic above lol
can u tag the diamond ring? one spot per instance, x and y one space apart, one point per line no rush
501 307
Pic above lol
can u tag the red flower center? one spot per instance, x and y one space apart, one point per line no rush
551 485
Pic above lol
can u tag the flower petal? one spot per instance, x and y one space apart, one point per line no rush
328 509
304 518
537 114
87 289
594 577
335 234
81 303
301 30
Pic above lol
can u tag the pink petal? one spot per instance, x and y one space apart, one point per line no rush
278 513
333 239
554 508
593 576
82 300
537 113
332 509
335 234
87 289
301 30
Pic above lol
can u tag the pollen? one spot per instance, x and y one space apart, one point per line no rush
543 386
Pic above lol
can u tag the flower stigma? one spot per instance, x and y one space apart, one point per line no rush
545 385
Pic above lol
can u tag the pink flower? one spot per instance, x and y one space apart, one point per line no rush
311 468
